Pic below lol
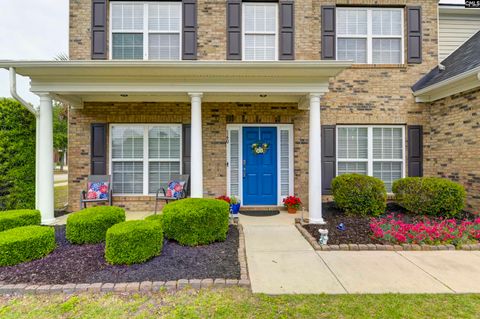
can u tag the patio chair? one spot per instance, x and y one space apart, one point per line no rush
162 192
99 189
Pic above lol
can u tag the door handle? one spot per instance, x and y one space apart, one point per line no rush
244 168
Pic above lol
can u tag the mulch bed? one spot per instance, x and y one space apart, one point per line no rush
86 264
357 228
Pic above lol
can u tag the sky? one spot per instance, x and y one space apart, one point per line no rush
38 30
31 30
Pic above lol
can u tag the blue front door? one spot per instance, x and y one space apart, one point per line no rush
259 170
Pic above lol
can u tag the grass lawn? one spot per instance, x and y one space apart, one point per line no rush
239 303
61 196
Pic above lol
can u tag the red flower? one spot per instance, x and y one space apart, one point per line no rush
224 198
292 202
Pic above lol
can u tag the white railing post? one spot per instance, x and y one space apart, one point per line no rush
45 160
196 179
315 162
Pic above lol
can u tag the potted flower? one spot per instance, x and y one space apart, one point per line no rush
292 203
233 201
234 205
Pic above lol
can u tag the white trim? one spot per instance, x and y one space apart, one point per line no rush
145 160
244 4
369 36
145 32
369 160
239 127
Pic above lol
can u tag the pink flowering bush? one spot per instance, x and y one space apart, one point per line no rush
393 229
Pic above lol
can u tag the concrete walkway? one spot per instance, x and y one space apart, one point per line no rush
280 261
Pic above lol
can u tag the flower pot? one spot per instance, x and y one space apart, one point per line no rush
292 210
234 208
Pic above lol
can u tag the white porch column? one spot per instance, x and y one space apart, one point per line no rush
196 178
45 160
315 162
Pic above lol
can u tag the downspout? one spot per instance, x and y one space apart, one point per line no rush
31 109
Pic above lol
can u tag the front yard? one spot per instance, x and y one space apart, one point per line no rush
239 303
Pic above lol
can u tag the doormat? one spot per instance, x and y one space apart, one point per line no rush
259 213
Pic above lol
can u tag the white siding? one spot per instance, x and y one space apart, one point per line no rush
455 29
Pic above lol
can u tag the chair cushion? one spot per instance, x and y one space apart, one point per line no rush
175 189
98 190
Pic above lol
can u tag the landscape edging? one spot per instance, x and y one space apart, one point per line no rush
144 286
362 247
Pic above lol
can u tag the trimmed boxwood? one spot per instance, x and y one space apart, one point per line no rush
25 243
155 218
133 242
433 196
196 221
359 194
89 226
17 218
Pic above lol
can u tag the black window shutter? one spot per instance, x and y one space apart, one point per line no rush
189 29
287 30
414 31
186 148
328 33
329 155
234 29
98 150
99 29
415 150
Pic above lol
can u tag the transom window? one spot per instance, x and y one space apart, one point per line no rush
146 30
370 35
143 157
371 150
260 31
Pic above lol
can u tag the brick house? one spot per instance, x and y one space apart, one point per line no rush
163 87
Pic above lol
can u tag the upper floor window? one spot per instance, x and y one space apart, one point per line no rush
149 31
370 35
260 31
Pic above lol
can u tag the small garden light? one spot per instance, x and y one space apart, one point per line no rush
323 236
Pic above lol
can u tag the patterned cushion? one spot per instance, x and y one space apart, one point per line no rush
175 189
98 190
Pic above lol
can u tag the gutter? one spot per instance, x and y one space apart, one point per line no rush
36 113
448 81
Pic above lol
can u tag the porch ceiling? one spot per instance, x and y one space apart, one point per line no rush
76 82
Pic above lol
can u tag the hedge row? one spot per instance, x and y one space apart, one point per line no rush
17 218
25 243
196 221
430 195
359 194
133 242
90 225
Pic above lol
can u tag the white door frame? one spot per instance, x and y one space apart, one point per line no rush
279 127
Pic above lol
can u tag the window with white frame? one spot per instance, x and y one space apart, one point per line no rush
371 150
146 30
370 35
144 157
260 31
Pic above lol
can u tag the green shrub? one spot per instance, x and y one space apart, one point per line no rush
155 218
133 242
17 156
429 195
26 243
359 194
90 225
17 218
196 221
